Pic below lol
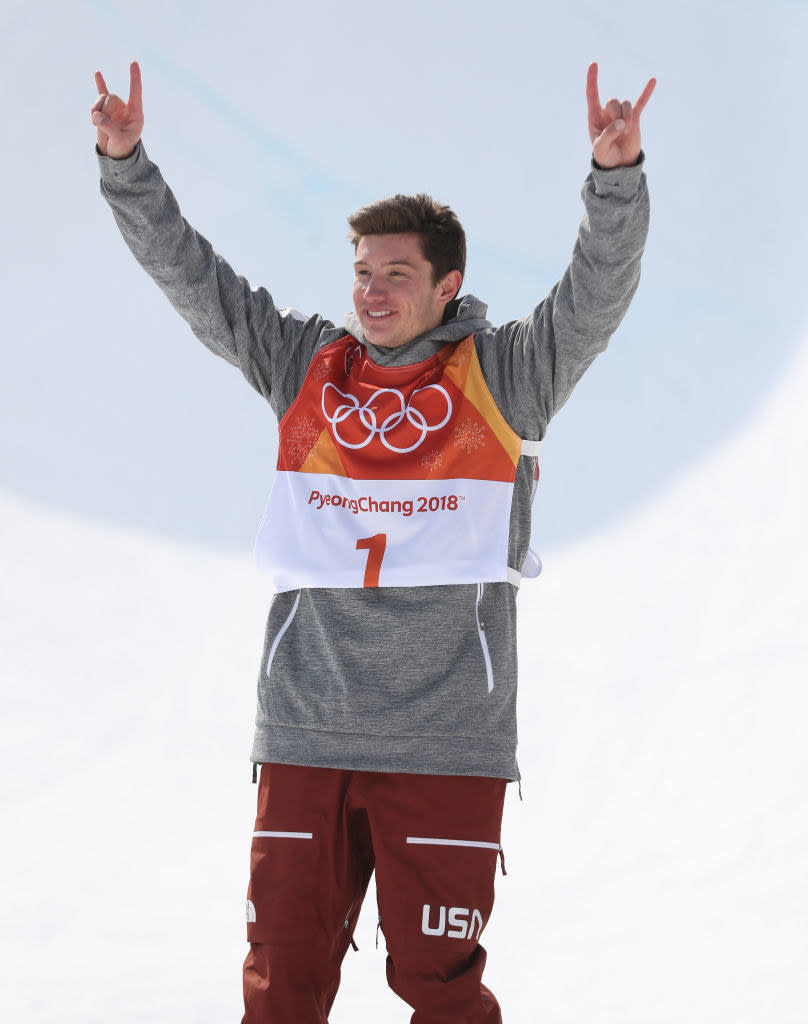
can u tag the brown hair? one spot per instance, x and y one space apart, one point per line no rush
443 240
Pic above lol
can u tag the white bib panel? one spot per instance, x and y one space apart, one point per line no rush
424 532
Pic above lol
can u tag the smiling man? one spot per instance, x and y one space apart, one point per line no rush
396 535
404 278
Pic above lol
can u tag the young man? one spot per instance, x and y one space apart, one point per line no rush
396 534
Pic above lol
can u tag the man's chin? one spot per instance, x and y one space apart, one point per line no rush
381 335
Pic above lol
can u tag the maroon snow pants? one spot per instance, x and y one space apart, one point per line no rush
320 832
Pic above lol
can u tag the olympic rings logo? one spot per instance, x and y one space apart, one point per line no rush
368 419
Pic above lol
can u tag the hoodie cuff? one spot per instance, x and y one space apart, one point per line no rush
112 168
620 181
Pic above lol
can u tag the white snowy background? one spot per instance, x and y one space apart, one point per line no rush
657 866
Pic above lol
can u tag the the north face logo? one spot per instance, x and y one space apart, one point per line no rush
250 912
460 926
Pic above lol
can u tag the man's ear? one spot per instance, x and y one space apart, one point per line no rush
450 286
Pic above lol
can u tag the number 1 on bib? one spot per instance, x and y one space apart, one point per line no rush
375 546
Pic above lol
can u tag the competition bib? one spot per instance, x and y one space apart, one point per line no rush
391 476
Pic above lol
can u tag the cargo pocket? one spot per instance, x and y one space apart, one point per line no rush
281 900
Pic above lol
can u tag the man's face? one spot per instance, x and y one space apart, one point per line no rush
394 295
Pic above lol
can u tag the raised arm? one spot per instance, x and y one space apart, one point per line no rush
242 325
533 364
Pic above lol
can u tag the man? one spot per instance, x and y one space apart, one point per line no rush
396 536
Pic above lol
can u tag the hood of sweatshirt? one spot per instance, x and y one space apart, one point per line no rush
464 316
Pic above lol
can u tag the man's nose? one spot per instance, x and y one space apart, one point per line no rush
374 287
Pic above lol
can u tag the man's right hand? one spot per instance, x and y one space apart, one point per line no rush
119 124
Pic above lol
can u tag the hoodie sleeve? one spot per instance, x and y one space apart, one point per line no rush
532 365
271 347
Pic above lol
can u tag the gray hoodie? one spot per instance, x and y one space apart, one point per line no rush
398 679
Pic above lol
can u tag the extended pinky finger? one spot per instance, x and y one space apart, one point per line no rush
100 83
645 96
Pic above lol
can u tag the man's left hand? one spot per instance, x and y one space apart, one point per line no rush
615 128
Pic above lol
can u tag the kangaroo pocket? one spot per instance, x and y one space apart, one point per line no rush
403 661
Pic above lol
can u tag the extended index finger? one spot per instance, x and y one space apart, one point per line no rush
592 94
644 97
135 103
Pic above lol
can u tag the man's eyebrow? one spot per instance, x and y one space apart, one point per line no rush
388 263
